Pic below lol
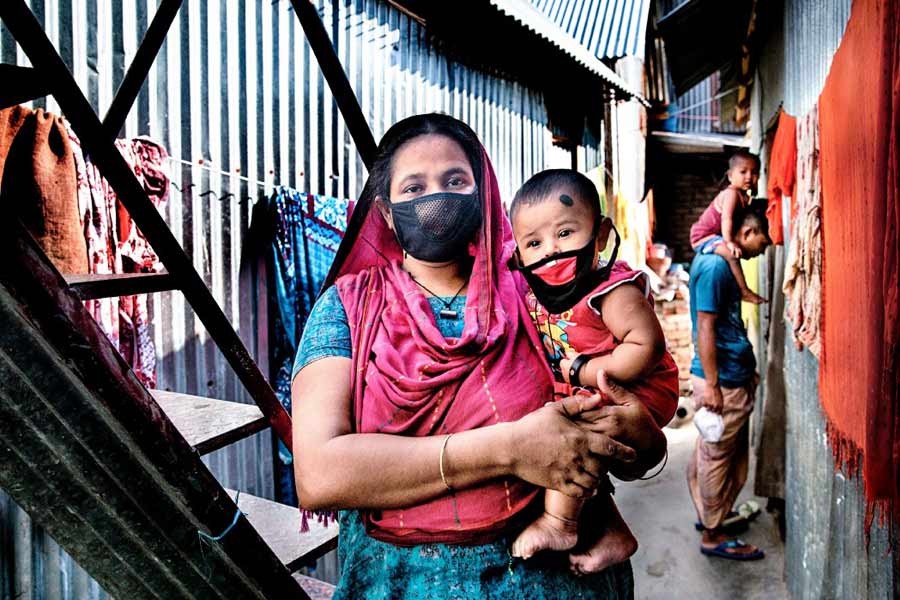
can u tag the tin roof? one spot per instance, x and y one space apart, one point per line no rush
607 28
533 19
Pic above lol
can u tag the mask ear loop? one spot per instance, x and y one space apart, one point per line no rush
615 251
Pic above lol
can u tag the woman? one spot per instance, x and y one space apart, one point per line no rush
419 386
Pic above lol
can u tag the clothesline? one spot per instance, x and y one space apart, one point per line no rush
233 174
237 175
226 195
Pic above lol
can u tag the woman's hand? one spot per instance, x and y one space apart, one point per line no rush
625 419
550 450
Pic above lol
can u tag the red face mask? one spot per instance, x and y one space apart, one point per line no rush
559 271
561 280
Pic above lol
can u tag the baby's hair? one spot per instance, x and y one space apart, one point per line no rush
739 154
742 154
543 185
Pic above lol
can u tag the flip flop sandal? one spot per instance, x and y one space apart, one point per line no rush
722 551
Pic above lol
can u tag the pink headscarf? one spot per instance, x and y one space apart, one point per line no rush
407 379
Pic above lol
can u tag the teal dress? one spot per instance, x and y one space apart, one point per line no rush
373 569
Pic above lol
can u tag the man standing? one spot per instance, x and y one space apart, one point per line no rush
724 377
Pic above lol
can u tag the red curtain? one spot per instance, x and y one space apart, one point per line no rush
858 112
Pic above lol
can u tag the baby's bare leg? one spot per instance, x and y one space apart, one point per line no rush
555 529
615 543
747 295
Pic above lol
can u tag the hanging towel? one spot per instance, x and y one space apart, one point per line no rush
147 159
803 271
97 207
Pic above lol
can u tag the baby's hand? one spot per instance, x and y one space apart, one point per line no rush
564 364
734 249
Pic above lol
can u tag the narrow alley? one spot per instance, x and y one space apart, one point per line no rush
668 563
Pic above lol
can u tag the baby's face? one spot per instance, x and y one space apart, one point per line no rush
744 174
559 223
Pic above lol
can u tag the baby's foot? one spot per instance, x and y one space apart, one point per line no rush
548 532
616 544
752 297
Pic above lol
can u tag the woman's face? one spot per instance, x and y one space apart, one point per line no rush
429 164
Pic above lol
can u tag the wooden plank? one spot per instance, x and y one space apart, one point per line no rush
209 424
279 525
315 589
89 287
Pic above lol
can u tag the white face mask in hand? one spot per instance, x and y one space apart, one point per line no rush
710 425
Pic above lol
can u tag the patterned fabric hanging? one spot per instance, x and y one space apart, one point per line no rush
116 245
803 271
307 231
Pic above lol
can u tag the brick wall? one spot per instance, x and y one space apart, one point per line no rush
683 186
675 318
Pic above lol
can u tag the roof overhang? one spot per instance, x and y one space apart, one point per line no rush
703 36
515 38
698 143
531 19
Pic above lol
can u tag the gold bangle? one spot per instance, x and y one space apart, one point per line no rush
441 462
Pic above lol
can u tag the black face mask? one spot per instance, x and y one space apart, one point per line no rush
437 227
561 290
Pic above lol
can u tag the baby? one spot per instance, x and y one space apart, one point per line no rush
593 316
714 230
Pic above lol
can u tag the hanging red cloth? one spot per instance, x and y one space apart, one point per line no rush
858 112
782 174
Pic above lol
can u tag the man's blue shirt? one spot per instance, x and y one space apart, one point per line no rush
713 289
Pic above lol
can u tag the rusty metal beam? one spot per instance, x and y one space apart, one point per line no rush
353 115
20 84
140 67
21 22
337 80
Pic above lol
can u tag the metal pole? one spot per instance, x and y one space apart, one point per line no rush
337 80
140 67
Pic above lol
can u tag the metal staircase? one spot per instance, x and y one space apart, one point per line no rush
113 470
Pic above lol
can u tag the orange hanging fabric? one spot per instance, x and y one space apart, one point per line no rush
858 113
782 174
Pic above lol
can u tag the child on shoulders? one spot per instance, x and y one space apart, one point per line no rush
713 232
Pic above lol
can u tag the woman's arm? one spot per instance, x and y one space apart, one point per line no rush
629 318
336 468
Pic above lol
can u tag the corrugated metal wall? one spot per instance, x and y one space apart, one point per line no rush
826 555
699 110
812 31
237 87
